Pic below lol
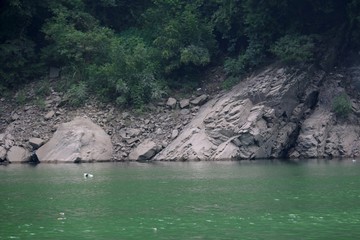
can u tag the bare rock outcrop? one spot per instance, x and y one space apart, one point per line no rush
259 118
77 141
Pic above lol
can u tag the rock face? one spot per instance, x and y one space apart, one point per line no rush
77 141
275 113
259 118
145 151
2 154
17 155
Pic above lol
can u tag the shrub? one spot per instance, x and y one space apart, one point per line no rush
342 105
130 75
21 97
294 48
77 94
229 82
252 57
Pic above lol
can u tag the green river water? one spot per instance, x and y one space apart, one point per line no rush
187 200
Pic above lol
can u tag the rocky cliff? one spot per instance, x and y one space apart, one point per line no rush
275 113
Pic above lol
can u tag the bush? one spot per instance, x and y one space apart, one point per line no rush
294 48
130 75
252 57
229 82
77 94
342 105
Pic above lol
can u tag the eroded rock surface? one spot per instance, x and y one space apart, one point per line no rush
259 118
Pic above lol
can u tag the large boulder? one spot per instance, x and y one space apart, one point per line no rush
80 140
2 154
18 155
144 151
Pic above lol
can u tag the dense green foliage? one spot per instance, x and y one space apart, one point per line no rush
341 105
130 52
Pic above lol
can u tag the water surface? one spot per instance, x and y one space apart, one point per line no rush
196 200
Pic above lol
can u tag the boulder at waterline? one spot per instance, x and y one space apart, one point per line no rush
80 140
145 151
17 155
2 153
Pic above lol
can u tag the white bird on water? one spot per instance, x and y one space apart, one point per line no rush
88 175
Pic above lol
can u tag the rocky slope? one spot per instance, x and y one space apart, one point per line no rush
21 125
276 112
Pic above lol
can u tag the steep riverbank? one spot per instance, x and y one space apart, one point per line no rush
277 112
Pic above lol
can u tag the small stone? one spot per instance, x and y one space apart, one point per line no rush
2 153
171 102
132 140
125 115
184 103
184 111
2 138
159 131
8 143
164 144
133 132
15 117
36 142
49 115
195 109
199 100
174 133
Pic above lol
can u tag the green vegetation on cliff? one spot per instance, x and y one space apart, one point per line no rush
131 52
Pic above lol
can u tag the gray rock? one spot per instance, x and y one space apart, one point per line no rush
36 142
159 131
17 155
2 138
9 142
144 151
199 100
251 121
185 111
15 117
171 102
2 153
49 115
77 141
133 132
174 133
184 103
